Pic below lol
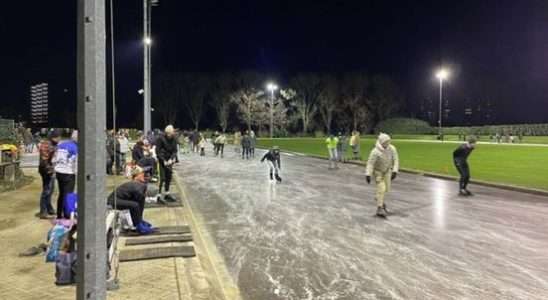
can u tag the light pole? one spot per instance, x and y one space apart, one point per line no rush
271 87
147 42
441 75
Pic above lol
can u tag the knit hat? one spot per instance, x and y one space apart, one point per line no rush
169 129
136 171
275 148
383 137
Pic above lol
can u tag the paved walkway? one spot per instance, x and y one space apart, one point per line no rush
32 278
315 236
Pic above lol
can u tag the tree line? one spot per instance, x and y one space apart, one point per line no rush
308 101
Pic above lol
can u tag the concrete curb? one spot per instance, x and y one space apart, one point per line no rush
440 176
214 264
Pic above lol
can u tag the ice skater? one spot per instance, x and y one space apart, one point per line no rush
460 157
383 164
332 143
273 159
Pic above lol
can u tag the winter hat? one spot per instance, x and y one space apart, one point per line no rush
74 136
275 148
169 129
383 137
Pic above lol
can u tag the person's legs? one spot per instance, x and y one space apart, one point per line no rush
110 163
272 167
222 149
463 174
62 183
48 185
383 184
132 206
466 177
252 152
162 175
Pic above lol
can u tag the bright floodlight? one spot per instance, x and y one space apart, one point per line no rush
147 40
271 87
141 91
442 74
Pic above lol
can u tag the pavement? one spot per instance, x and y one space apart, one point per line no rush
315 236
33 278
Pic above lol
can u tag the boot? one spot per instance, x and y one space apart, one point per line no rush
278 178
169 198
271 177
463 193
147 224
468 193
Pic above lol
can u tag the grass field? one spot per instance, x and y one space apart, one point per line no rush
517 165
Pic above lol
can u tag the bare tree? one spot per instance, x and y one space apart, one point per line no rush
221 89
169 89
385 98
355 87
307 88
328 100
248 101
194 86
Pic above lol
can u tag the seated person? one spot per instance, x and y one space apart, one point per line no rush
131 196
142 157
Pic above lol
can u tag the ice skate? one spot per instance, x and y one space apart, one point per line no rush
463 193
381 212
278 178
468 193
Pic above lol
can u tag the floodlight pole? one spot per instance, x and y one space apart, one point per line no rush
146 86
92 257
439 119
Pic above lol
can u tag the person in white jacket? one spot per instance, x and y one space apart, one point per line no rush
383 165
65 163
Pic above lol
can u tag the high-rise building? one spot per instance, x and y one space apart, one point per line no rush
39 98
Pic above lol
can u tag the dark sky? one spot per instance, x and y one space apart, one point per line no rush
497 50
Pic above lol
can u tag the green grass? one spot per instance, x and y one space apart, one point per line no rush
517 165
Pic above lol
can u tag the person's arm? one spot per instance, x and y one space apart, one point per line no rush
396 160
279 162
160 150
264 157
370 163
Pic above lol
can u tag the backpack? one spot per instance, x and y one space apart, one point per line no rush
65 268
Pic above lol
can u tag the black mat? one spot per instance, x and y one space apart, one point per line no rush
153 253
161 230
143 240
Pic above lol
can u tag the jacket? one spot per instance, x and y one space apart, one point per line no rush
273 157
253 141
246 141
124 144
47 151
221 139
166 149
65 159
382 160
132 190
113 146
460 155
137 154
332 142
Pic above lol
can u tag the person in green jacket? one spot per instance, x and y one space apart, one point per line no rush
332 142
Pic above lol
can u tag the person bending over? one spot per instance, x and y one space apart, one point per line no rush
272 157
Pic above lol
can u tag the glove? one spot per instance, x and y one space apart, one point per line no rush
169 162
394 174
368 179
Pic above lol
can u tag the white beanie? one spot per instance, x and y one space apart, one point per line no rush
169 129
383 137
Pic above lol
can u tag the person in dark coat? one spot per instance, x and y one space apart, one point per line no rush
246 145
46 170
166 150
141 157
131 196
460 158
272 157
113 150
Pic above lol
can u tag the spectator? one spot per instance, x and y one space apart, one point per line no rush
47 172
29 140
66 165
166 149
246 144
355 145
131 196
142 157
237 143
341 147
221 141
124 149
113 149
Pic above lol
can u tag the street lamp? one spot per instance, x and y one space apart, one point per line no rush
147 41
442 74
271 87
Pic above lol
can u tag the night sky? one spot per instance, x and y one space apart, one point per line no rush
497 50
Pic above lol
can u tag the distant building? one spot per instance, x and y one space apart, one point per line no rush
39 101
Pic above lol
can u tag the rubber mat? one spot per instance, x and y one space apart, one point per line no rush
154 253
143 240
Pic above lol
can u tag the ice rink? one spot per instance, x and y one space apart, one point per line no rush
314 236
